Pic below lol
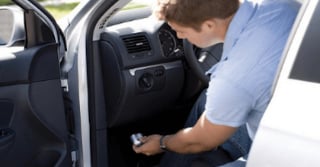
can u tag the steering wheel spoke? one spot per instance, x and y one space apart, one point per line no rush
207 57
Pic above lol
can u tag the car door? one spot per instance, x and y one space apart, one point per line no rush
34 124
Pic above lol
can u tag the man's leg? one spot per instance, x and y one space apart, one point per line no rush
229 151
197 109
171 159
238 147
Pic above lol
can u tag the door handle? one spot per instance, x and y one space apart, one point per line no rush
7 137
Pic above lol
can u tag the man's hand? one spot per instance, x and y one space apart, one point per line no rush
203 136
151 145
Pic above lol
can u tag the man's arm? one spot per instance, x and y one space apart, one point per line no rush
202 137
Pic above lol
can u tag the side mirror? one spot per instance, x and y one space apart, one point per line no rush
11 26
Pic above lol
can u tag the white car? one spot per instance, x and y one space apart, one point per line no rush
72 96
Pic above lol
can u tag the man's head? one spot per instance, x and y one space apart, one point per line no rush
196 18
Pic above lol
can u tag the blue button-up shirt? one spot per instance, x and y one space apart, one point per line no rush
240 86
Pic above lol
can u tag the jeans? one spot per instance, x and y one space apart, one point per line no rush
226 155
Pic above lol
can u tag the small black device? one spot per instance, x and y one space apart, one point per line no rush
135 139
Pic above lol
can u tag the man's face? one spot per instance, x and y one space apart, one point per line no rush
207 36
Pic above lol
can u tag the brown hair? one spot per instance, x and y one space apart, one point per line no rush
192 13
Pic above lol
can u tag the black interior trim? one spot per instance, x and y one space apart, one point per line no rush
98 136
37 32
23 69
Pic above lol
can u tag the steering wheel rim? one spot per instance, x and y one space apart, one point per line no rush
194 62
207 58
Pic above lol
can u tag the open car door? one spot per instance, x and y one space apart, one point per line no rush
34 124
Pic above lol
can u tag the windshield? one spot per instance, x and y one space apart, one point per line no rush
61 8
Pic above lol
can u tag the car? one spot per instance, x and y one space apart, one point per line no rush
72 93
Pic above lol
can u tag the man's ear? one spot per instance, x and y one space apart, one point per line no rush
210 24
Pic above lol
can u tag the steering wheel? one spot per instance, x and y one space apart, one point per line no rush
201 60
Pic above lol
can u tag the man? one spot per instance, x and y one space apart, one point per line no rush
254 35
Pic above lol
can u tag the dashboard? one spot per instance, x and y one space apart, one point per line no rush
142 63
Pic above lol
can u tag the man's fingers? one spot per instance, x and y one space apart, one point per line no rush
144 139
136 149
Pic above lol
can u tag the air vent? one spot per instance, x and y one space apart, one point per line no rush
137 43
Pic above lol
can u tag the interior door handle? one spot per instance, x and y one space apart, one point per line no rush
7 137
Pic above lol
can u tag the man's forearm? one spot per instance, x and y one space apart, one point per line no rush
184 142
203 136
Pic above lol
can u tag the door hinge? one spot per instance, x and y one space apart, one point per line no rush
74 158
74 150
65 85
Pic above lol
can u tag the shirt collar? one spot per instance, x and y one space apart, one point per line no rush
239 22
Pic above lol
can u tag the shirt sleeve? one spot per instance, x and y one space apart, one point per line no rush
227 104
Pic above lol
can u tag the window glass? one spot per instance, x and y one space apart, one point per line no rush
59 8
307 64
138 4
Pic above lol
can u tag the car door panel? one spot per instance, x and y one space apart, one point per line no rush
33 124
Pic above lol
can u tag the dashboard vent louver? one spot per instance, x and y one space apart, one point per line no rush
138 43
